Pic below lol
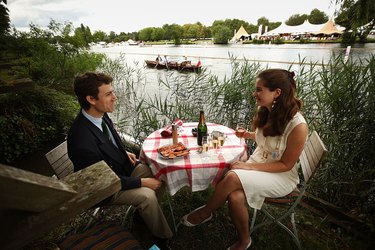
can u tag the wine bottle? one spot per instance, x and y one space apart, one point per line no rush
201 129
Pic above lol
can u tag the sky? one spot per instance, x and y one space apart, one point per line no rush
128 16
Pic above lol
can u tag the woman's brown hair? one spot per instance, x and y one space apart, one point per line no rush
284 107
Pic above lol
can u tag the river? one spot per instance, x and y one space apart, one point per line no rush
216 57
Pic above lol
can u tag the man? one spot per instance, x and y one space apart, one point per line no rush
92 138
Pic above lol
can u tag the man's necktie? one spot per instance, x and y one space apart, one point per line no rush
106 130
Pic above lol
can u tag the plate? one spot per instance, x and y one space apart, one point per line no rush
171 151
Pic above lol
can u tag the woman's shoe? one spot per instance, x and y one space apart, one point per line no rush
185 222
248 245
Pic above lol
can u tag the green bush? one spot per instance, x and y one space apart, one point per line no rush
340 106
32 117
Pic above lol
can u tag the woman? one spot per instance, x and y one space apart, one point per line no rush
280 132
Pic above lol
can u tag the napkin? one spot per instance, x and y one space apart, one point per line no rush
167 130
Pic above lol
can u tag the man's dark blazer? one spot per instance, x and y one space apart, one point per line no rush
87 144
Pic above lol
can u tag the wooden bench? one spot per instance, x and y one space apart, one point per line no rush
33 204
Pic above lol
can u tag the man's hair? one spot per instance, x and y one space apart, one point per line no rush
88 84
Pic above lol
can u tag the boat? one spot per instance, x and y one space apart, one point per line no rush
180 66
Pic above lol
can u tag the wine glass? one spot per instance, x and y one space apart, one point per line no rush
221 139
240 131
205 147
215 143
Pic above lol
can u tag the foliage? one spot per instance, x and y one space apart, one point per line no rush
4 18
357 16
340 106
221 34
32 117
317 17
51 57
296 19
173 32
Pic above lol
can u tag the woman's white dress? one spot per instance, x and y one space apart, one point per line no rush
258 184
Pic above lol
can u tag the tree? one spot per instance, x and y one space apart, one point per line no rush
317 17
205 32
191 31
83 34
357 16
4 18
146 34
157 34
221 34
296 19
99 36
112 35
173 32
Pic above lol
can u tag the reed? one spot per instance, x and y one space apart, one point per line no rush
338 102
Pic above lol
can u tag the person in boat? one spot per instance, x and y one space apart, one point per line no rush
92 138
159 59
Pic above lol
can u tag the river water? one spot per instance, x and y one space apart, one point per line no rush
216 57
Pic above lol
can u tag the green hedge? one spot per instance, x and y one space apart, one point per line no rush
32 117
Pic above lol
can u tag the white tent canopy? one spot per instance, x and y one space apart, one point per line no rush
330 28
305 28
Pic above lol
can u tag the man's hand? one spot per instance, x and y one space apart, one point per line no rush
150 183
132 158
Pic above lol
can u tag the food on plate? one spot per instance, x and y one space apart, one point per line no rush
173 151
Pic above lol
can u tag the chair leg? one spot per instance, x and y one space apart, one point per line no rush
253 220
296 239
128 211
172 214
271 219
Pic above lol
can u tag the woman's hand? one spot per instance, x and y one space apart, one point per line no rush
240 132
240 165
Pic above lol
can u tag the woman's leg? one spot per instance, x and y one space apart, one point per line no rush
224 188
240 217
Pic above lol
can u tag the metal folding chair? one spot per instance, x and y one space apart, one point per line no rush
309 161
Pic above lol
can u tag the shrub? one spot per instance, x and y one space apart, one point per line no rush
32 117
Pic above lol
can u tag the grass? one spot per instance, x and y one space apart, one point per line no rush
219 233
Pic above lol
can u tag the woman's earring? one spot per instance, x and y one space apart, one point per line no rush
273 104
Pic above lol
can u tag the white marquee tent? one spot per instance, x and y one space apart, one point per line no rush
306 28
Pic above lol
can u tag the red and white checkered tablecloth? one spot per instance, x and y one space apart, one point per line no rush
195 170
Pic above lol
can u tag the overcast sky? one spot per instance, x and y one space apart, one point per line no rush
129 16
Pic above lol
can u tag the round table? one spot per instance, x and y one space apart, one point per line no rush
196 170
